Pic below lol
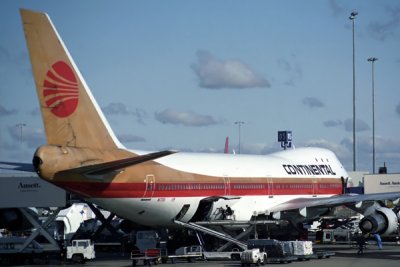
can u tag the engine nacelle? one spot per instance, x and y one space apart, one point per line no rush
379 220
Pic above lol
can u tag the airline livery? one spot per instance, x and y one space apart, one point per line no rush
156 188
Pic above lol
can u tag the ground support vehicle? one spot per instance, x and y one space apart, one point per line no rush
81 250
149 256
253 256
190 254
287 251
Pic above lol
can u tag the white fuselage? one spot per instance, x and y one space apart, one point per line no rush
161 210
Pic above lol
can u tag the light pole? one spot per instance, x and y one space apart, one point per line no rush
239 123
353 18
20 125
372 60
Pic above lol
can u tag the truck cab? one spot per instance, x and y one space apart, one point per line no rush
253 256
81 250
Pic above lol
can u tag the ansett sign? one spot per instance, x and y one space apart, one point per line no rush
29 191
322 169
381 183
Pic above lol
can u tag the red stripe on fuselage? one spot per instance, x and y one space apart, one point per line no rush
141 190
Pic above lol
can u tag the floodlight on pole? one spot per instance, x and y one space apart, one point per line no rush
239 123
353 18
372 60
20 125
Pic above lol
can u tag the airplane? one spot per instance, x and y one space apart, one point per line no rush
157 188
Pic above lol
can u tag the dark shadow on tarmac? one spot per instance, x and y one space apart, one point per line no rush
389 252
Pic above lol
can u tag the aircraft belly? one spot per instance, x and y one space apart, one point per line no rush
151 211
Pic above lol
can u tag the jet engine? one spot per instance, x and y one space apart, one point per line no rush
379 220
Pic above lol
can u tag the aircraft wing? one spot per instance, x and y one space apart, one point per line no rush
112 166
17 166
351 200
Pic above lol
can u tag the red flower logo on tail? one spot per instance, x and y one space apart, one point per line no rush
60 90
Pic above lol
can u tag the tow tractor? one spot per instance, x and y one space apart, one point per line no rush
81 250
253 256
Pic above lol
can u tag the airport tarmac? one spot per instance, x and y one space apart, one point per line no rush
345 256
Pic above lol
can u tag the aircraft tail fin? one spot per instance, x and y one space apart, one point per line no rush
70 114
226 149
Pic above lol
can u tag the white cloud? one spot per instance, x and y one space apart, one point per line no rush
33 137
398 109
386 150
336 8
381 30
185 118
313 102
360 125
232 73
292 69
332 123
122 109
6 112
339 149
130 138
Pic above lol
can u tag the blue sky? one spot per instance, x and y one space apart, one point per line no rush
178 74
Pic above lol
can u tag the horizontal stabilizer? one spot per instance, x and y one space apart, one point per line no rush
17 166
112 166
